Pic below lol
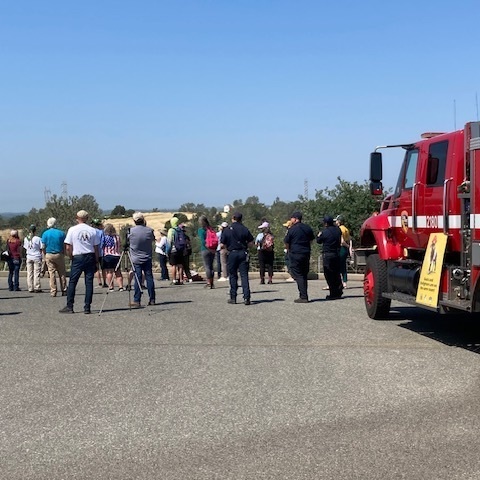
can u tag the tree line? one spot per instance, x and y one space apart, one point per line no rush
350 199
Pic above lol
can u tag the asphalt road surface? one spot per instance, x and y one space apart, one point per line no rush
193 388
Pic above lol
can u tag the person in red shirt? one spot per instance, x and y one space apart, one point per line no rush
14 248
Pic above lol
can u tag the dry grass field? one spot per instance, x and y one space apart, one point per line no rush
155 220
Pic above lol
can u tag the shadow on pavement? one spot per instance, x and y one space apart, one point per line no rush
10 313
461 330
270 300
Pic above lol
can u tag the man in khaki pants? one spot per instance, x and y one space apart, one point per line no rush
53 249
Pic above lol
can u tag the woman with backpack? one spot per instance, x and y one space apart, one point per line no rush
208 246
176 245
266 255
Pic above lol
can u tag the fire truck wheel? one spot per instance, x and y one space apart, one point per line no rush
374 284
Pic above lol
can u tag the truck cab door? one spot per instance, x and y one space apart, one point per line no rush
403 221
430 191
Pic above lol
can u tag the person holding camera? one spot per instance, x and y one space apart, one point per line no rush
141 239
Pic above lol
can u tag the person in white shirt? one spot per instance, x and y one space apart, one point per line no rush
81 245
161 247
33 245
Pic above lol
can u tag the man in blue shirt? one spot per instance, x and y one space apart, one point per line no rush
237 239
298 245
53 249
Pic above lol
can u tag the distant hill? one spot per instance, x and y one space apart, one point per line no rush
7 215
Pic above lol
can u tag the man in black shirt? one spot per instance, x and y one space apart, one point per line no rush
331 238
297 242
237 239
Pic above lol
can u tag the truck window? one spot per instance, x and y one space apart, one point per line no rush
437 158
407 174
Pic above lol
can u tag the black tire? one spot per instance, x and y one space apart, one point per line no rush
374 285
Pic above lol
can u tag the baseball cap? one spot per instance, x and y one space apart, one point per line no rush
297 215
328 220
137 216
82 214
238 216
264 225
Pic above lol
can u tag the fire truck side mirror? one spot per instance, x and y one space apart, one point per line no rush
375 167
376 188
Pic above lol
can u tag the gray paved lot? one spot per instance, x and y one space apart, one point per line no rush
194 388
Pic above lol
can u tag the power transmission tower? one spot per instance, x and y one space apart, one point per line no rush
47 194
305 188
64 190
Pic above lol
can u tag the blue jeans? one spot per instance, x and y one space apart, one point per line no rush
14 273
238 262
86 264
208 256
146 268
162 260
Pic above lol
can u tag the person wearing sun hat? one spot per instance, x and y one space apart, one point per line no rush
161 251
265 251
345 248
33 246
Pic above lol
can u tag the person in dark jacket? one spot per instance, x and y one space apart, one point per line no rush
237 239
298 245
331 237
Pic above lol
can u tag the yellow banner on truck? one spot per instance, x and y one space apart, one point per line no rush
430 276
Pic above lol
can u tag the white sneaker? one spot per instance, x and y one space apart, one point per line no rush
222 279
290 279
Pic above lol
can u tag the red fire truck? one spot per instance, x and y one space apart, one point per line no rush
437 195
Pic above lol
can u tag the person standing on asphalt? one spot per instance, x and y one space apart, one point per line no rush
331 237
298 245
208 254
222 255
81 245
33 246
161 250
237 239
53 248
141 241
14 249
345 248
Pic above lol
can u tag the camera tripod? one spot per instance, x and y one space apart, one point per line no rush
127 256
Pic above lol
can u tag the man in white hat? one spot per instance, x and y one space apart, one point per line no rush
53 248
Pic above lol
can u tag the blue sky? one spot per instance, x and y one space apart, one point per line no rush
158 103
